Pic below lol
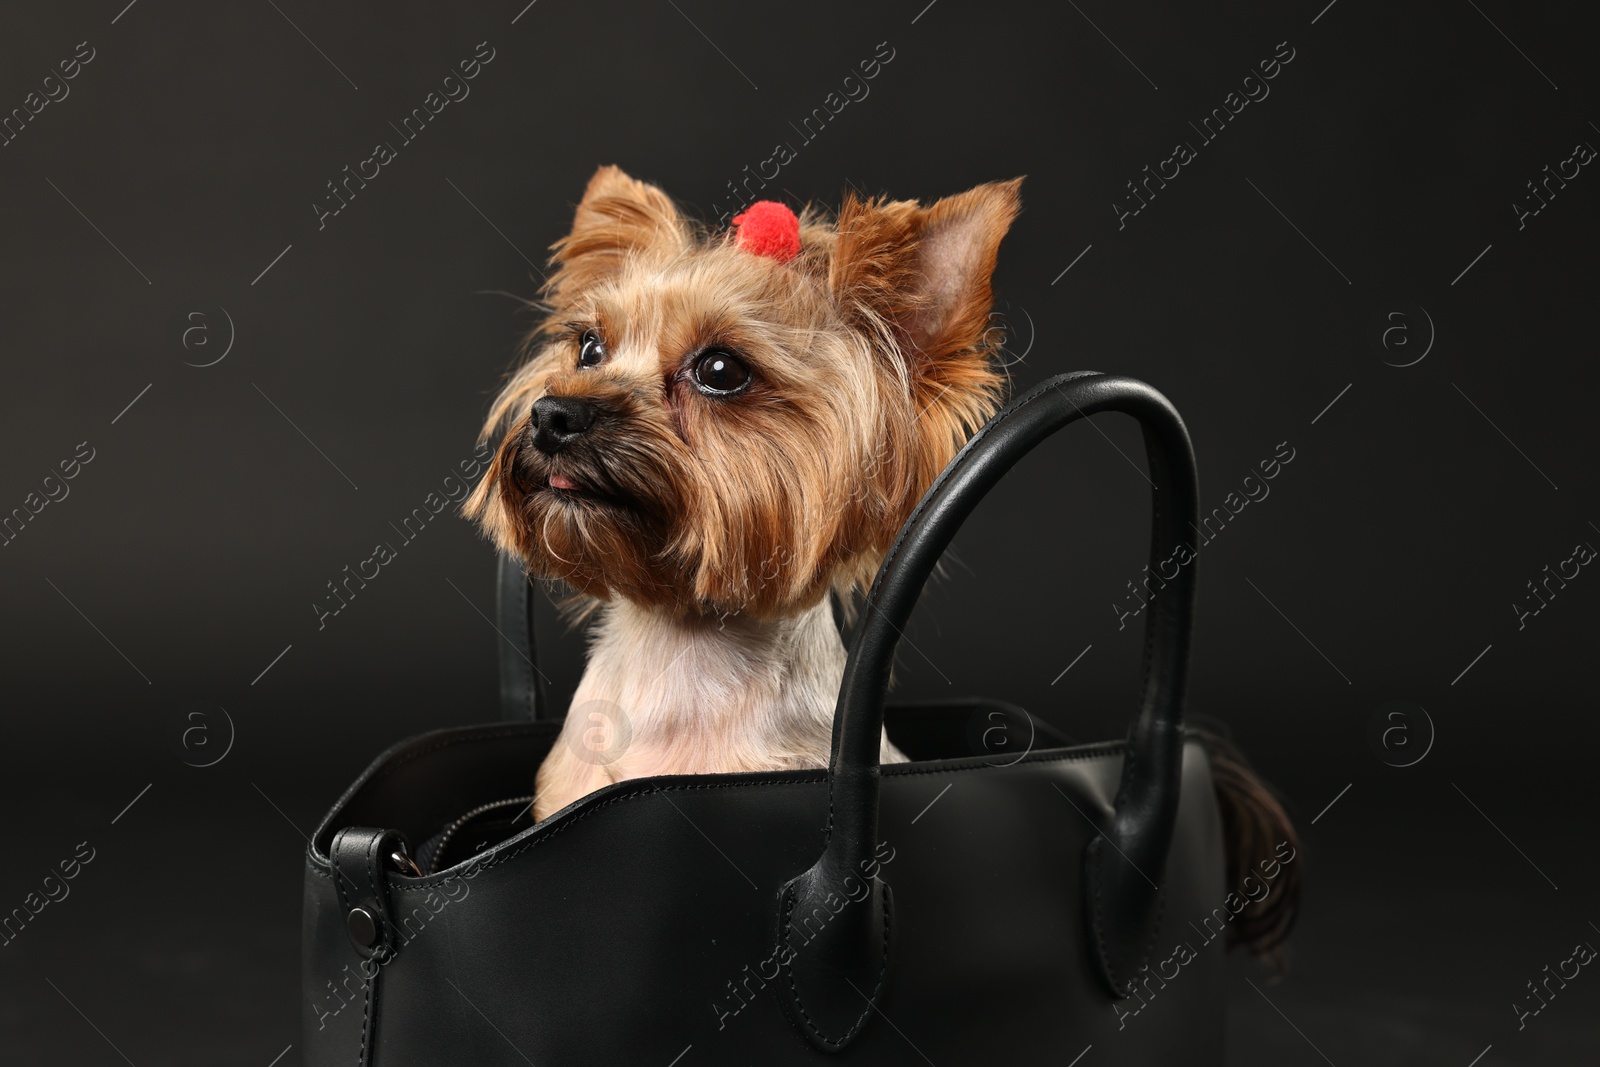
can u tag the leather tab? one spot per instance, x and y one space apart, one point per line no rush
834 956
360 856
1124 931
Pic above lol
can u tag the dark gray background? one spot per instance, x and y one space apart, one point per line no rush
188 553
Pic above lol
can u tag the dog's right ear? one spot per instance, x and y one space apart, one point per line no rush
618 217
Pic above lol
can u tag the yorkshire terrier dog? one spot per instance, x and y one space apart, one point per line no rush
715 432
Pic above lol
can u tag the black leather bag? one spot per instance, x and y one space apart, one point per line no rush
1005 907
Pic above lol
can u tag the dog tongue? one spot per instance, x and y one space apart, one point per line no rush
561 481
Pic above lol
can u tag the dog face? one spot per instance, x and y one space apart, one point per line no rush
704 428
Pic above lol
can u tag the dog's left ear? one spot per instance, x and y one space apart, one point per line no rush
923 273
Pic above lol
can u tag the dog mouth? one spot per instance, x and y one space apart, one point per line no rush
565 491
597 480
574 489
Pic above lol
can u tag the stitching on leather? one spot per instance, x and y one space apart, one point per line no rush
331 873
344 901
439 879
883 968
1150 624
366 986
827 832
1099 921
366 1013
1099 926
790 899
434 880
375 886
1079 754
1155 929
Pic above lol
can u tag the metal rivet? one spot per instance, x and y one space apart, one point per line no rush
363 927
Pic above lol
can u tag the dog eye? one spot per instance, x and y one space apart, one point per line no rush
719 373
591 350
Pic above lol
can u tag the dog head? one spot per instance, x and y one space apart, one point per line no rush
725 422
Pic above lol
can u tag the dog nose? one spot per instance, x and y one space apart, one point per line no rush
558 419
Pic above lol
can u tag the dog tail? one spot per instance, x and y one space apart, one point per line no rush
1255 828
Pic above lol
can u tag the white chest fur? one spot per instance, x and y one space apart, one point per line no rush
672 695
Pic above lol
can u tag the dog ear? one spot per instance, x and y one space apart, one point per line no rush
921 276
618 217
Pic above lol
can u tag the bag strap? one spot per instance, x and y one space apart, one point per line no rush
521 696
1125 863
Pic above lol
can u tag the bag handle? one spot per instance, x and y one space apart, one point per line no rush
522 698
1125 863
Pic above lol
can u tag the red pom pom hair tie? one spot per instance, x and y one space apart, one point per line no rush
769 229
